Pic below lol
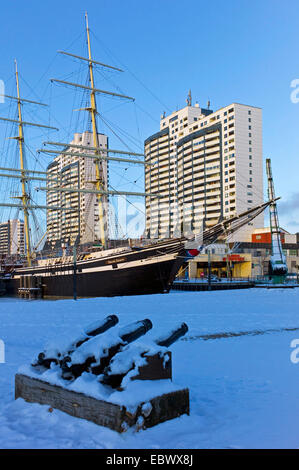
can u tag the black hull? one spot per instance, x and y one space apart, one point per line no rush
148 273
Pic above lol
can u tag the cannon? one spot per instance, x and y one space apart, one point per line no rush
109 376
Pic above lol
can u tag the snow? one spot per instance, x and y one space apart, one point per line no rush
124 360
235 359
97 346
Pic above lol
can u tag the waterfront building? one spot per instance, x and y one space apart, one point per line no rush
12 239
81 222
205 165
244 259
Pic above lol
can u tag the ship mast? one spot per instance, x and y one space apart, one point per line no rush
99 154
21 173
93 112
24 198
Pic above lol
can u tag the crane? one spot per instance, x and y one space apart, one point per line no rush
277 265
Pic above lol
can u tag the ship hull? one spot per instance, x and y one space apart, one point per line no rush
148 271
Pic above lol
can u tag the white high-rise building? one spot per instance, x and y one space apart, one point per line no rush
75 172
205 166
12 239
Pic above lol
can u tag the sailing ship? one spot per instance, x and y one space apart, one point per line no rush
148 268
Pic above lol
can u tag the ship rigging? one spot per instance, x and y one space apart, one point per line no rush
149 268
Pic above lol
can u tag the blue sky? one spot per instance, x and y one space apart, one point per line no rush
243 51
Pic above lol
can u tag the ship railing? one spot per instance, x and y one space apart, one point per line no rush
216 280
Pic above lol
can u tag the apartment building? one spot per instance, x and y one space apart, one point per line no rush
81 219
205 166
12 239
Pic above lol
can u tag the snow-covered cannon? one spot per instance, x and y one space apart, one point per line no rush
97 359
110 376
143 363
54 355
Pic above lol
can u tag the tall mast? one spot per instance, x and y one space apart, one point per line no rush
24 196
93 112
95 152
21 173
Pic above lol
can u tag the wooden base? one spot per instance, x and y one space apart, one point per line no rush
116 417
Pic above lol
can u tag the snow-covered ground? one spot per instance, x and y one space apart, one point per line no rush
244 388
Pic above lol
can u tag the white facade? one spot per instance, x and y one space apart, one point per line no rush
75 172
205 166
12 238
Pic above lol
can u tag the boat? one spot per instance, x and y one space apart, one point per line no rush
147 268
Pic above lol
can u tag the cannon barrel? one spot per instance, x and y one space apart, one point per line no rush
133 331
45 358
98 328
173 336
127 334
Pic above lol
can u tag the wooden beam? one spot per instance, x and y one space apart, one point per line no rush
95 90
90 60
104 413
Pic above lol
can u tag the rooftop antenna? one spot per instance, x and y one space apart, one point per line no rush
208 104
189 99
